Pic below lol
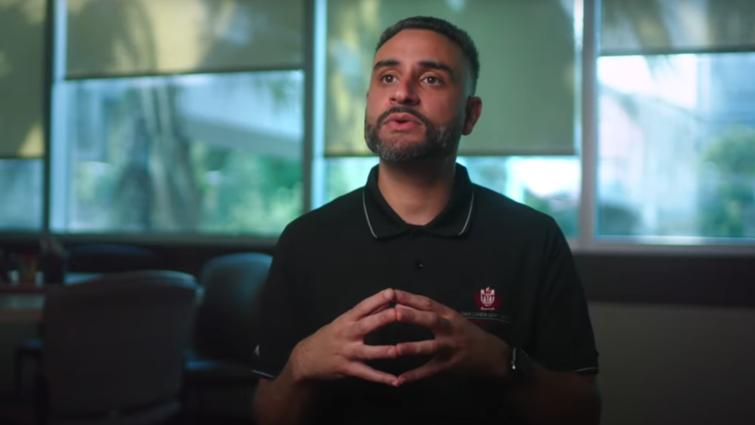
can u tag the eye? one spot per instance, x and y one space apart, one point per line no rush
388 78
433 80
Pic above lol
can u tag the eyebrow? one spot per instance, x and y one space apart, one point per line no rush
425 64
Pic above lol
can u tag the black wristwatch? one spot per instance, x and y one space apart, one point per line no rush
520 368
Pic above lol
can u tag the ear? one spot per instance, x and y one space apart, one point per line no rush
473 111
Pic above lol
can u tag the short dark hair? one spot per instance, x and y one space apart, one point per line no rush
441 26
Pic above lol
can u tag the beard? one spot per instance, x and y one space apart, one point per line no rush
439 141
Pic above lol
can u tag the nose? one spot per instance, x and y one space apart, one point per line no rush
405 94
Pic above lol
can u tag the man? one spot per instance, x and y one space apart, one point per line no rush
423 298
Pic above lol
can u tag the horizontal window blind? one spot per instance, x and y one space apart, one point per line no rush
669 26
133 37
21 78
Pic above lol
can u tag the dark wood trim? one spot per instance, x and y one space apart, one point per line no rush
723 281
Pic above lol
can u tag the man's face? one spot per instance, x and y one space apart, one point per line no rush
418 103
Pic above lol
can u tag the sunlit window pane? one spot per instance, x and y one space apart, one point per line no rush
187 154
21 193
549 184
677 146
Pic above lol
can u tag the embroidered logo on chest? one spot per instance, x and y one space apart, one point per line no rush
487 299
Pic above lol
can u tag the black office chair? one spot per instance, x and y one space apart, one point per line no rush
224 334
114 351
89 261
112 258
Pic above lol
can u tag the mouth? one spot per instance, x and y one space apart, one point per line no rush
403 118
402 122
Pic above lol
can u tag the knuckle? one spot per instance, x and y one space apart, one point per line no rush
434 346
342 352
359 352
448 325
347 351
368 324
388 315
364 326
340 319
338 333
337 325
345 369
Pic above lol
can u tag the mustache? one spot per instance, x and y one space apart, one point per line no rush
403 110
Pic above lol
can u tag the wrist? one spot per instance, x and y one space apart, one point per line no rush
296 370
500 360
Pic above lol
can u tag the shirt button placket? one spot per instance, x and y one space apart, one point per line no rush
416 235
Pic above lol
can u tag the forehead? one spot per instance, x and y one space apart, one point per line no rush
411 46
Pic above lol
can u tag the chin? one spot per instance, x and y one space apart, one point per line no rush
404 144
402 139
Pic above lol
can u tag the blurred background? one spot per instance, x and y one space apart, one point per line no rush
201 127
231 117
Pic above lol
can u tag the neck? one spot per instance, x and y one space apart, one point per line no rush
417 190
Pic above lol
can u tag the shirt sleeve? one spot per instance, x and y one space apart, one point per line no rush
279 322
564 337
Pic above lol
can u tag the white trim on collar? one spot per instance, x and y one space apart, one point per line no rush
367 216
372 231
469 215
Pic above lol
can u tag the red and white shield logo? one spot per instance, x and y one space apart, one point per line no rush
487 300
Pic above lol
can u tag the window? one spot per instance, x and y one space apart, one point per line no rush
21 188
202 153
529 100
231 118
529 180
21 115
179 117
676 152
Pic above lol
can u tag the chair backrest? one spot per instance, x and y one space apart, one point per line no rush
226 318
117 343
112 258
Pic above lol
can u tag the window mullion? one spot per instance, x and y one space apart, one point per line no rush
587 210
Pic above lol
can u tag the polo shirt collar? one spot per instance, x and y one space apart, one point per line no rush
453 221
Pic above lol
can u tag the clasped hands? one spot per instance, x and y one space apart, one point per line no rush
338 350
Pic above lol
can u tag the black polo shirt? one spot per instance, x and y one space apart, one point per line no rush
501 264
